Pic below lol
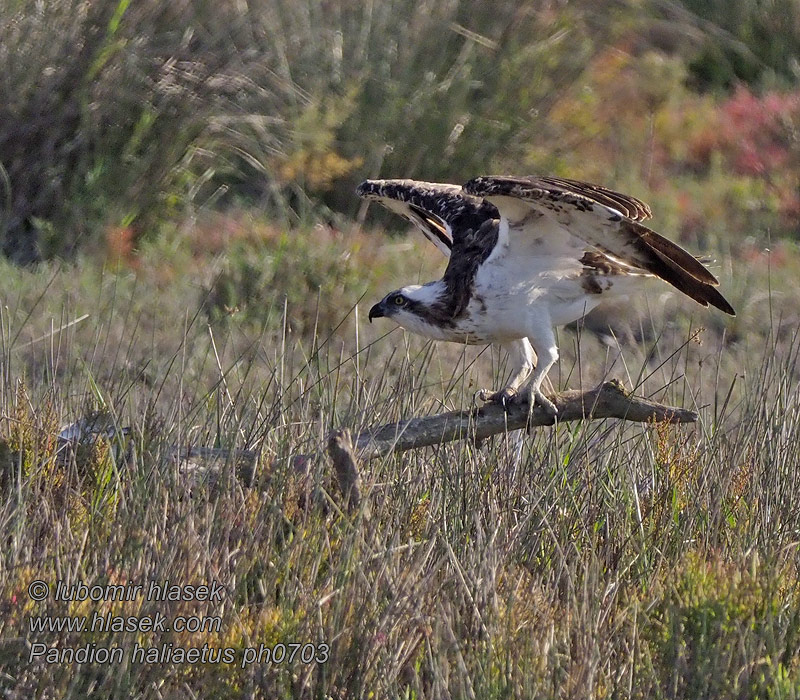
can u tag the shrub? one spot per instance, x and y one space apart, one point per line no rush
118 113
103 105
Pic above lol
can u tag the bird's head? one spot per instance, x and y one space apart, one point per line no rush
415 307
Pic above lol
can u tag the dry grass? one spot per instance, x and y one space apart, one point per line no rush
590 560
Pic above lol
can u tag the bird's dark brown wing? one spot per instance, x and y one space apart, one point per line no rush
634 209
585 212
441 211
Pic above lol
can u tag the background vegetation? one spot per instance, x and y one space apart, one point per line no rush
185 258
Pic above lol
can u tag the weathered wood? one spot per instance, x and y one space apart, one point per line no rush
609 400
340 450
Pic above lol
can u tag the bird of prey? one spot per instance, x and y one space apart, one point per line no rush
527 254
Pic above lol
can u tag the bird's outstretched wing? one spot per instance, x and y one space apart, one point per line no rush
634 209
441 211
606 220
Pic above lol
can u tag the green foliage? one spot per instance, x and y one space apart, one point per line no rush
103 107
256 277
119 115
727 630
716 170
164 110
754 41
433 90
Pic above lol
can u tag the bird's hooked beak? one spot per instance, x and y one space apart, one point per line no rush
376 311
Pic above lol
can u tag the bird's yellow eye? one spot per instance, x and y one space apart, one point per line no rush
399 301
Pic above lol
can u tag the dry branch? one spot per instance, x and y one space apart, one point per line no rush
609 400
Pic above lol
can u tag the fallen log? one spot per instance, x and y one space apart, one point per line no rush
608 400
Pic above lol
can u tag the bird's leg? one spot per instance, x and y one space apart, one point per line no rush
547 352
521 354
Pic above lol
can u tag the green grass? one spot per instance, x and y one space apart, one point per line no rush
600 559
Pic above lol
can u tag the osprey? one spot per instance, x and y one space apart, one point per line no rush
528 254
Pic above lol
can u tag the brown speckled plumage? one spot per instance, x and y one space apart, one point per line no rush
438 207
526 255
636 245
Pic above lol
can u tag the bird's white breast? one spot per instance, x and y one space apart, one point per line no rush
513 293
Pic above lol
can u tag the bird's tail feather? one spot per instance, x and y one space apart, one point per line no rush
680 268
685 260
702 292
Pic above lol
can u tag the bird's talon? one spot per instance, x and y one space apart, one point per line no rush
537 398
548 407
502 397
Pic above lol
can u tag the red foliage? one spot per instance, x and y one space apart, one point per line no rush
737 156
756 132
755 135
121 245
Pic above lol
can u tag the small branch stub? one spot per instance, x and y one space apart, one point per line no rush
340 450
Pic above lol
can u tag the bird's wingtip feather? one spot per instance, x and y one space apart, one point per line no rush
367 188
